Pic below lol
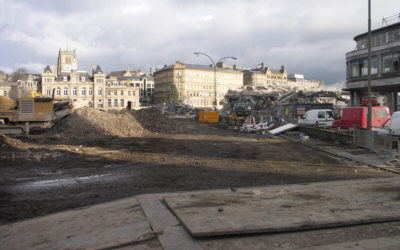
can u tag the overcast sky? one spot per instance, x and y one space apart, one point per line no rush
309 37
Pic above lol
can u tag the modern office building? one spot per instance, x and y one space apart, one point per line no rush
385 71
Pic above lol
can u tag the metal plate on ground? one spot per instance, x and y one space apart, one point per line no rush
102 226
288 207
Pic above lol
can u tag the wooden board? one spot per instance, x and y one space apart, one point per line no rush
283 128
288 207
97 227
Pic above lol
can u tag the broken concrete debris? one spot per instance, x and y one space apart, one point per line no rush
267 106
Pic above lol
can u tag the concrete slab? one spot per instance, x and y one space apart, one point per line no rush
284 208
97 227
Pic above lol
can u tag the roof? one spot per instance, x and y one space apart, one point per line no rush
47 69
386 28
60 77
200 67
98 70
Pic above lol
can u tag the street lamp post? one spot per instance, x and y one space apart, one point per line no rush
215 72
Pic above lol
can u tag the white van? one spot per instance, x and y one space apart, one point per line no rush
319 117
391 126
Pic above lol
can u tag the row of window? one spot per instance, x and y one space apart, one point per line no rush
389 64
115 92
114 103
378 39
59 91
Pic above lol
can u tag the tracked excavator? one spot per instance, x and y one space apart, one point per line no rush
18 115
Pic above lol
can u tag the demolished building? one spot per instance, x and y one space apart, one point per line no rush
282 103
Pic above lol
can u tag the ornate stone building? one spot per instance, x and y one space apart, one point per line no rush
195 83
265 76
67 82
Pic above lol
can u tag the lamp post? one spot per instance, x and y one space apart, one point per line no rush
369 125
215 73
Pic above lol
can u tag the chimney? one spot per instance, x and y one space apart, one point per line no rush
92 69
151 70
234 67
262 67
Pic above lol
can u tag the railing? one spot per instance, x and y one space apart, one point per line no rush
379 143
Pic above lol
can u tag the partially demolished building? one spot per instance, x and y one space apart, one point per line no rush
288 105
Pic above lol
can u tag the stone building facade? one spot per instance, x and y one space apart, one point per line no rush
139 79
196 83
95 90
265 76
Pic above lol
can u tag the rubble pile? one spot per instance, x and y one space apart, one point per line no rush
93 123
273 104
153 120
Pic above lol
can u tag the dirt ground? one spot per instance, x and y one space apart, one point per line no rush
51 172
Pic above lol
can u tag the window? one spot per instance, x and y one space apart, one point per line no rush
122 92
382 113
129 93
83 79
390 63
100 91
115 92
58 92
65 91
360 67
74 91
108 92
5 92
48 92
65 78
115 102
83 91
99 105
122 103
372 114
90 92
133 93
109 103
396 35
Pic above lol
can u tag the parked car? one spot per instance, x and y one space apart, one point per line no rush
356 117
391 126
319 117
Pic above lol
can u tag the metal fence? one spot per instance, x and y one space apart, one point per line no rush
379 143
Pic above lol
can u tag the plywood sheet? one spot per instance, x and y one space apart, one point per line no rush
97 227
288 207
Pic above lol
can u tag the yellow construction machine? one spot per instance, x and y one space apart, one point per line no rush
16 116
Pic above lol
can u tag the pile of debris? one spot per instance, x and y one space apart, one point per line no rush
270 105
153 120
93 123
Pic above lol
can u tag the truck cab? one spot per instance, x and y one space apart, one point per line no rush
356 117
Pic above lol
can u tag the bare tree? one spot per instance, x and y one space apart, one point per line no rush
19 74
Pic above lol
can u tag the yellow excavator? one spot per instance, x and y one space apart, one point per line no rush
17 115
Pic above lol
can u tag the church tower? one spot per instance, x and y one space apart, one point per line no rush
67 61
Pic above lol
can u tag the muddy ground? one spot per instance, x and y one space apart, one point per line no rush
46 173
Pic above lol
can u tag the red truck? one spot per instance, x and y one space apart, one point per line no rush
356 117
